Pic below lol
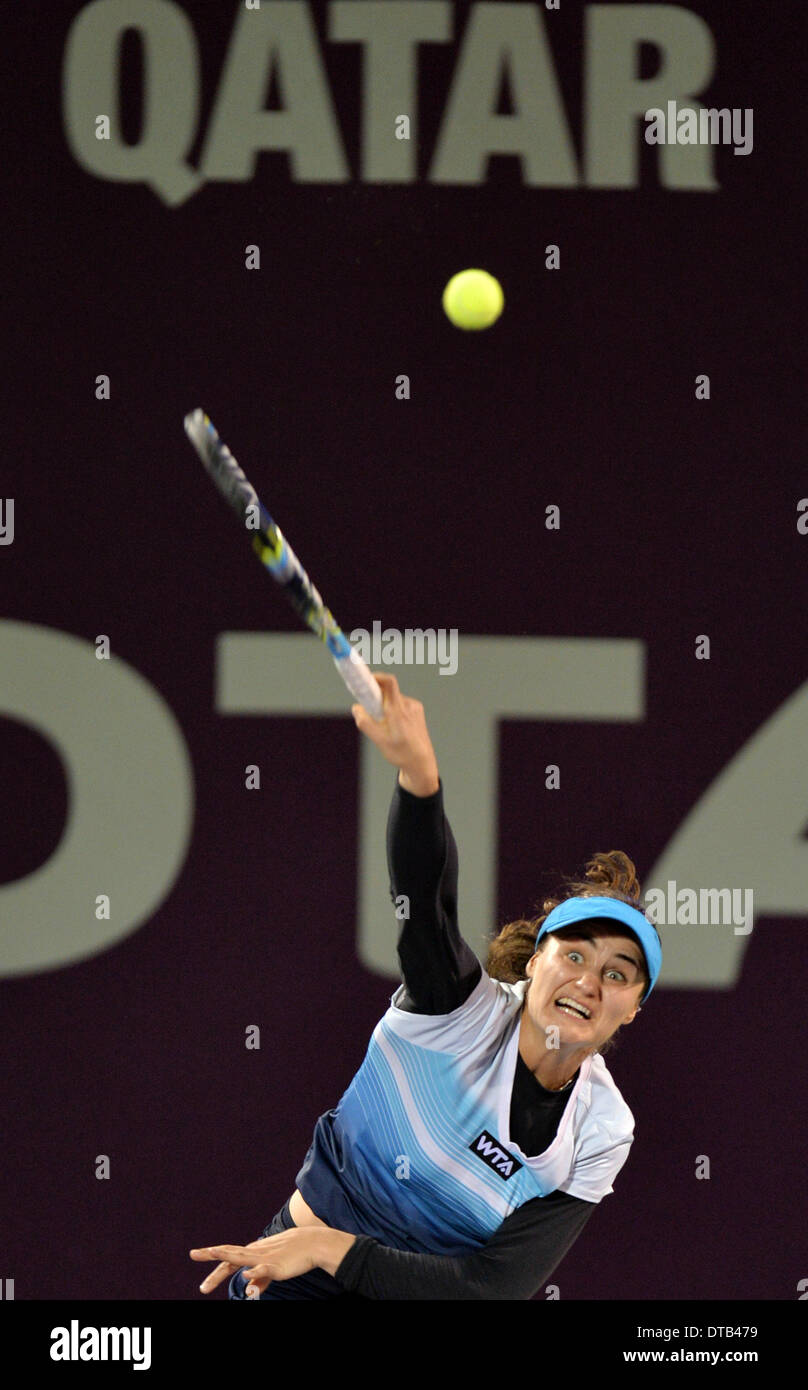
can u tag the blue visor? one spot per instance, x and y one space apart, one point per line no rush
578 909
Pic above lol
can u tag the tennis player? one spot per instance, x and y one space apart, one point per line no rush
483 1128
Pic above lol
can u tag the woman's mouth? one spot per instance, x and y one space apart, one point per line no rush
571 1007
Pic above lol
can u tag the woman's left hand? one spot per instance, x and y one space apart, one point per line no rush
283 1256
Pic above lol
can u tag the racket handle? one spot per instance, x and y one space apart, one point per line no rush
360 682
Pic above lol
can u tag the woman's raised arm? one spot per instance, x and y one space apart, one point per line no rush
402 737
439 968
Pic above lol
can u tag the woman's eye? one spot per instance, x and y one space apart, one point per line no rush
574 953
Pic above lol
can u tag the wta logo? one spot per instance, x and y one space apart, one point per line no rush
486 1147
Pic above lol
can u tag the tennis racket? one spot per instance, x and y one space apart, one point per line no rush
276 555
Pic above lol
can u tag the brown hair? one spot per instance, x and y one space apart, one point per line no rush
611 875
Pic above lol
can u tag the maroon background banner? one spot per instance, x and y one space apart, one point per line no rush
412 466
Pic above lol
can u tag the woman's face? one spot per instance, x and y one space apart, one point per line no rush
592 964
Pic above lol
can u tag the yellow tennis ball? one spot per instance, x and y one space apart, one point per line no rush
473 299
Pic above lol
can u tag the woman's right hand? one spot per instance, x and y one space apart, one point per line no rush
402 736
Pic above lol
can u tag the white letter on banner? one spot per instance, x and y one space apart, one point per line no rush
130 798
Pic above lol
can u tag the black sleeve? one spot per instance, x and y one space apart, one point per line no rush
440 969
513 1264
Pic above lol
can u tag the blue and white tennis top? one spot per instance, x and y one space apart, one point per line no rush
418 1153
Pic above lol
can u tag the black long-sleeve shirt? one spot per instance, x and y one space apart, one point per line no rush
439 973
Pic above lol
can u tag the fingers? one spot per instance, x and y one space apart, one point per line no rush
256 1287
374 729
224 1270
387 681
217 1276
390 697
395 710
391 694
237 1254
282 1256
256 1276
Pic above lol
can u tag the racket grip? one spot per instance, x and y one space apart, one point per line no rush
360 682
